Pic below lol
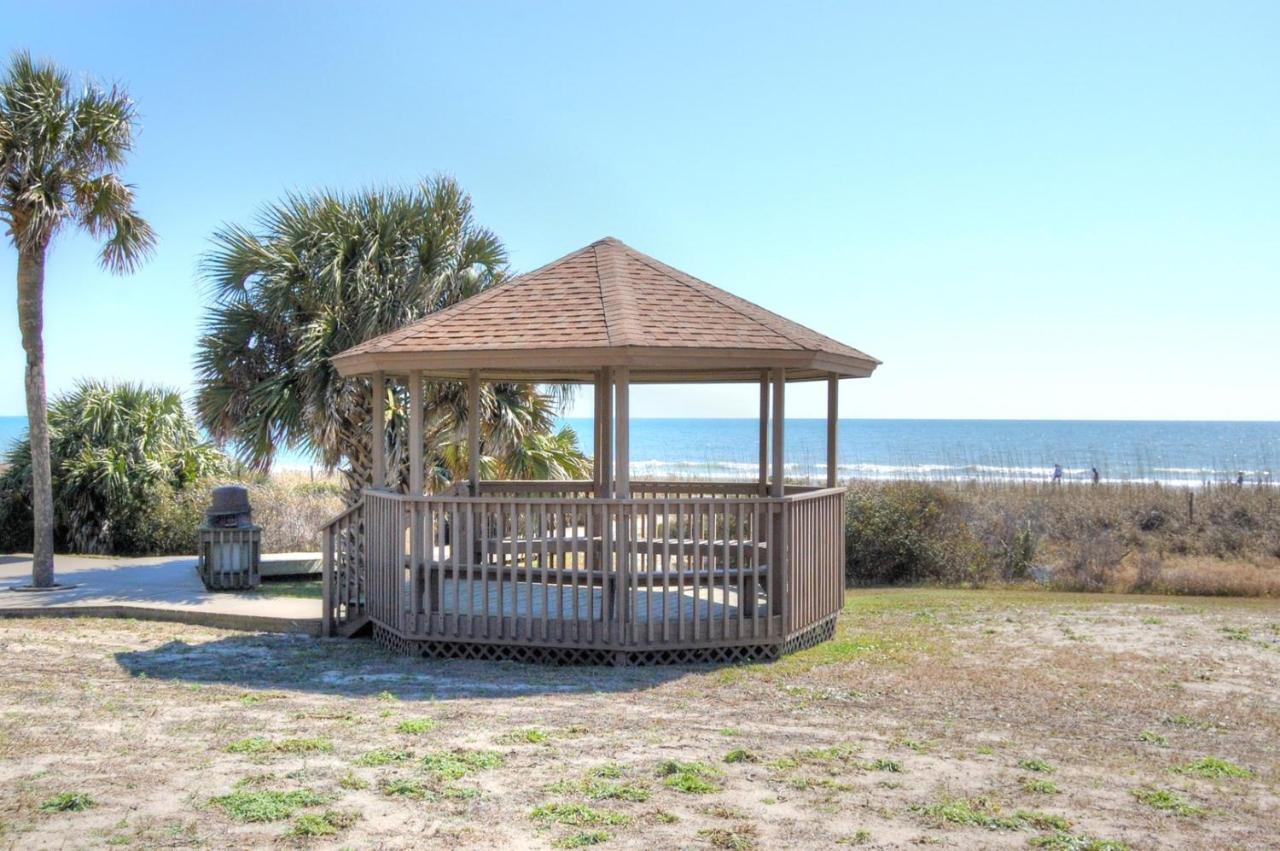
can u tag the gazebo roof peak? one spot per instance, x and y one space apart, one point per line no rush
607 304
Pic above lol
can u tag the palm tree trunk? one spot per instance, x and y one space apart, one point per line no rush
31 323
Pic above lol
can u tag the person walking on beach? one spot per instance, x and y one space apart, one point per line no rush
1057 474
1240 479
1096 477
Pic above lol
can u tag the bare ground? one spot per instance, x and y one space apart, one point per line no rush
960 718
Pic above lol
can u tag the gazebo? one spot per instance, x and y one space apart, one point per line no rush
610 571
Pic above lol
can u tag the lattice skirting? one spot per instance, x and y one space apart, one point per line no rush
432 649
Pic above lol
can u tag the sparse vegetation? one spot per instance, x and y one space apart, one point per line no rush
1039 785
1167 800
983 812
1128 538
692 778
826 729
327 823
454 765
740 837
577 815
1037 765
261 745
1214 767
257 805
884 764
415 726
582 839
383 756
67 802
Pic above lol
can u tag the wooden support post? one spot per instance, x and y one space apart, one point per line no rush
473 429
378 430
779 413
606 435
764 433
597 437
833 420
415 434
623 450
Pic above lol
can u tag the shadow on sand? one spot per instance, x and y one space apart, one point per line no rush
354 668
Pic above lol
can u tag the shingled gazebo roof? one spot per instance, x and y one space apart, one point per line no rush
606 305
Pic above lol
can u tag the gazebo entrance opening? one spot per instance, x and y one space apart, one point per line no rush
612 570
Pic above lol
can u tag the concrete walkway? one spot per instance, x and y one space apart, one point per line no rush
159 588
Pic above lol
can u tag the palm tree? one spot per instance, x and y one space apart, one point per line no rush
321 273
60 151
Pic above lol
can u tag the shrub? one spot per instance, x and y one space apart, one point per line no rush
119 452
910 532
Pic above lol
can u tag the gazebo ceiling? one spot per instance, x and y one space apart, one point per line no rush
606 305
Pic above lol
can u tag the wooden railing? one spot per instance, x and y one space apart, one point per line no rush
814 556
679 564
342 544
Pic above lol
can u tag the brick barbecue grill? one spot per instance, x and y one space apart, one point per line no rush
230 545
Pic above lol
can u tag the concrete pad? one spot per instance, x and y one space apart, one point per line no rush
156 588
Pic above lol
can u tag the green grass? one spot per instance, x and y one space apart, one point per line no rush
740 755
246 805
310 589
353 782
383 756
1063 841
982 812
454 765
691 778
882 764
577 815
1168 801
416 725
858 837
1036 765
67 802
407 787
1151 737
261 745
529 736
582 839
1214 767
1039 786
327 823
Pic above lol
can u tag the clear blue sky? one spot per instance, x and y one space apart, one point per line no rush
1066 210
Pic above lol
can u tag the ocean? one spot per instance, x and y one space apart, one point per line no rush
1174 453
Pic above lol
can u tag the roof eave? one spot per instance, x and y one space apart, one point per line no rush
668 362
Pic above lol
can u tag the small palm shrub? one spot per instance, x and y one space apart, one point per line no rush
125 457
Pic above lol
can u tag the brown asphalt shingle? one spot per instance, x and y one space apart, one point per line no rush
604 295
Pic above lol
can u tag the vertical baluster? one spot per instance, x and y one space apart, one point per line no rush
500 557
726 572
486 610
527 535
680 636
542 569
649 531
774 566
559 519
666 565
695 512
591 571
